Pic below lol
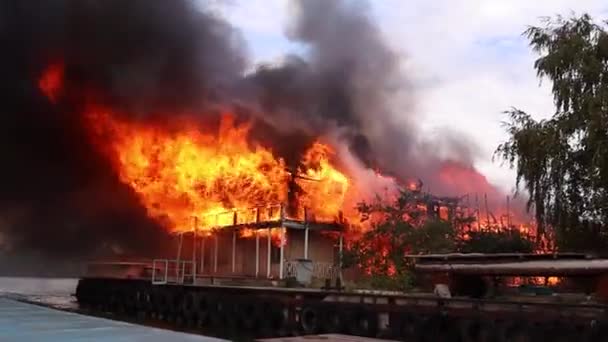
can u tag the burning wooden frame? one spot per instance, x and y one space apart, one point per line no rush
270 222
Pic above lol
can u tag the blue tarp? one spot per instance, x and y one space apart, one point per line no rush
27 322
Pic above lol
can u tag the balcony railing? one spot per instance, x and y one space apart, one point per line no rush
320 270
172 271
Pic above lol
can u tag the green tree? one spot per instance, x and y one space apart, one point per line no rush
511 241
399 228
562 161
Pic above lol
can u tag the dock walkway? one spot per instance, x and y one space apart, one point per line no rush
28 322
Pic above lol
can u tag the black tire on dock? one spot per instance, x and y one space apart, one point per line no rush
215 318
274 320
363 322
203 308
82 293
174 307
147 304
142 299
113 299
404 326
101 298
473 330
431 328
448 329
159 303
164 306
189 309
221 314
596 332
334 320
310 320
517 331
561 332
248 315
130 299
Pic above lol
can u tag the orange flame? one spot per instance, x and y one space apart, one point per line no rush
182 171
275 235
218 178
324 186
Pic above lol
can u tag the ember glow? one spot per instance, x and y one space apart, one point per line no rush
50 83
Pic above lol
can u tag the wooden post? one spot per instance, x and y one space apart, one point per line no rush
203 254
508 212
306 243
269 255
257 253
282 252
282 213
478 212
194 232
485 199
179 246
179 254
233 250
282 242
215 243
340 248
305 233
215 255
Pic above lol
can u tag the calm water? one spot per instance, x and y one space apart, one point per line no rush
55 292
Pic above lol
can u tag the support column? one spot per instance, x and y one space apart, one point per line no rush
257 253
194 232
179 247
215 255
233 250
179 255
340 248
305 233
306 243
203 254
281 263
269 253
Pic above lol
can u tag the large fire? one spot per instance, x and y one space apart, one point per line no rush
183 173
186 175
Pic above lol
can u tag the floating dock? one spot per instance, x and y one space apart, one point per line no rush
324 338
29 322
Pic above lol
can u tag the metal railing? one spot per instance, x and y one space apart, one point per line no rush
320 270
325 270
291 269
258 214
172 271
242 216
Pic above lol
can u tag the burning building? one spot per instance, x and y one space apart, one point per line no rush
123 122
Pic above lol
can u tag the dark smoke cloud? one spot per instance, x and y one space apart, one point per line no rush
350 80
343 82
59 196
152 57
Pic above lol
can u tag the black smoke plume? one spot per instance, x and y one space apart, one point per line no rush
59 195
352 82
151 57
